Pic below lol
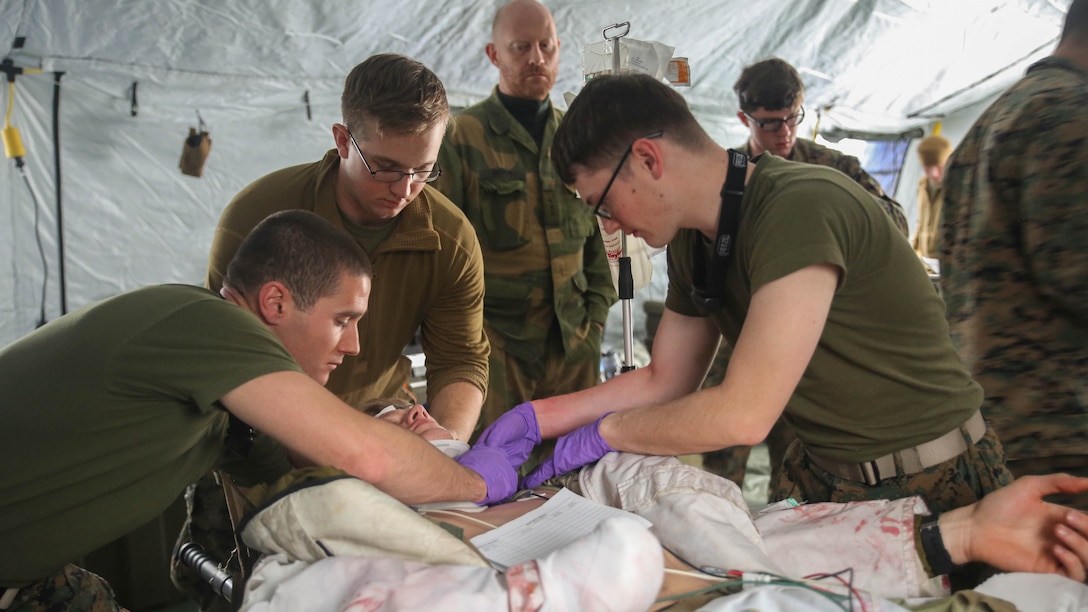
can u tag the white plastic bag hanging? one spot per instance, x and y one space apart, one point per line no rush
636 56
642 268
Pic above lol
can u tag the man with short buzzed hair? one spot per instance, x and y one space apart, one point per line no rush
151 387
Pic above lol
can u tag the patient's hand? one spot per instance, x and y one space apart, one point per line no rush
1015 530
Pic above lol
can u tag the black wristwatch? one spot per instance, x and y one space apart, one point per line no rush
940 562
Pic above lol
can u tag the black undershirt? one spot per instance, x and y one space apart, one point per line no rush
531 114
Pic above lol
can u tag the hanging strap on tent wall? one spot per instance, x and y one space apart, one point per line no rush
309 110
134 108
59 193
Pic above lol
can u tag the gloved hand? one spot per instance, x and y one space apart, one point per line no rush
491 464
577 448
515 433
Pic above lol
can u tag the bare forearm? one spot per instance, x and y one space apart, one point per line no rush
700 422
561 414
457 408
437 479
329 432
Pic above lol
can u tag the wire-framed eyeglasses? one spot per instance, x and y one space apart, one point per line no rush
394 176
773 125
603 212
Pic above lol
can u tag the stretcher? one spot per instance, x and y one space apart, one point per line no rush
817 556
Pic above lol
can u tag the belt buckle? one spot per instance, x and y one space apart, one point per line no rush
870 473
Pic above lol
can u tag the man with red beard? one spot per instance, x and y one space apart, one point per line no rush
546 277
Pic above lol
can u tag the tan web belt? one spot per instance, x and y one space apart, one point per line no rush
913 459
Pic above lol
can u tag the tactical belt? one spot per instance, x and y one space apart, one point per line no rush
913 459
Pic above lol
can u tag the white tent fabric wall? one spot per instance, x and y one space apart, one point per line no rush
130 218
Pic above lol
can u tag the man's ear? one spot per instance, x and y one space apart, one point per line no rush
492 53
646 152
273 301
743 118
340 136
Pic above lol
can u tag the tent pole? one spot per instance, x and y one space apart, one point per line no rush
626 284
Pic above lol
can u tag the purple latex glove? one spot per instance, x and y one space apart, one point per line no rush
515 433
577 448
490 463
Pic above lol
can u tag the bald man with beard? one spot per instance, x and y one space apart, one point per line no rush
547 283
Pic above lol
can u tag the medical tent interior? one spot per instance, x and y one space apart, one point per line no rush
103 94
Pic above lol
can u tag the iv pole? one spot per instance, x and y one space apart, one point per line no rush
626 289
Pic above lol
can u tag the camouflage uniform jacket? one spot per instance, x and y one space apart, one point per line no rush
1014 260
809 152
544 261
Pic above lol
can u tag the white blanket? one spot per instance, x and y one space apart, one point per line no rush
387 557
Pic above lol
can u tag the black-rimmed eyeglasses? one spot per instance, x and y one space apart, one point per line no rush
773 125
604 213
394 176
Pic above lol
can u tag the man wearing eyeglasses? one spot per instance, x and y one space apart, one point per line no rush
548 283
427 265
428 270
833 321
770 95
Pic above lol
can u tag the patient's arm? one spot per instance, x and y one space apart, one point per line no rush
1015 530
477 522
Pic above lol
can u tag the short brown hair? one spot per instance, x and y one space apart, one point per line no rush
393 93
302 251
772 84
611 112
376 405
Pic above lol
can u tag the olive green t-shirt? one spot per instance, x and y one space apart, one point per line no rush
110 411
884 375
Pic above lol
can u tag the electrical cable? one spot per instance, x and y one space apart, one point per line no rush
849 584
733 579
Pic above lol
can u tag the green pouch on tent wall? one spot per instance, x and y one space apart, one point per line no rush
194 152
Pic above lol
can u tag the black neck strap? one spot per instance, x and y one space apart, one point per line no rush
709 297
